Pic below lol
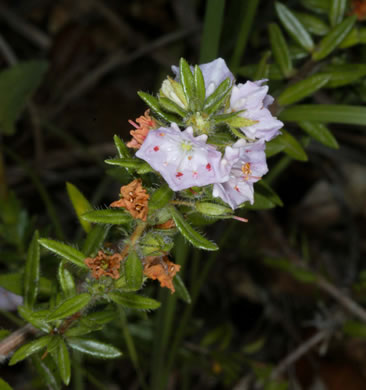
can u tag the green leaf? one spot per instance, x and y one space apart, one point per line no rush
280 50
122 149
187 81
355 37
262 70
133 163
47 372
332 113
212 209
17 85
337 8
69 307
312 23
14 283
30 316
333 39
217 98
95 239
29 349
63 362
4 385
320 132
189 233
81 205
274 146
355 329
94 348
238 121
199 84
292 147
114 216
344 74
66 280
133 271
264 198
31 273
249 71
302 89
294 27
134 301
181 289
301 274
153 103
318 6
160 198
170 106
65 251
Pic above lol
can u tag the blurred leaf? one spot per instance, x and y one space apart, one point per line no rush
333 113
80 203
63 362
333 39
123 151
47 371
29 349
95 239
344 74
337 8
199 85
254 347
355 37
31 272
292 147
262 70
181 290
4 385
153 103
30 316
138 165
134 301
320 132
66 280
280 49
312 23
189 233
133 271
303 89
160 197
17 85
294 27
355 329
14 283
264 198
318 6
212 25
274 146
69 307
249 71
94 348
303 275
65 251
114 216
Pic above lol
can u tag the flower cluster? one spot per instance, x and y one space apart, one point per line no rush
185 156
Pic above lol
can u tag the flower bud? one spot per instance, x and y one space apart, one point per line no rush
212 209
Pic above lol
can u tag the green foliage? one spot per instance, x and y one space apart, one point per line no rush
133 271
109 216
69 307
81 205
134 301
94 348
280 50
31 273
29 349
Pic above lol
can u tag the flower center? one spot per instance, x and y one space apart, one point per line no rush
186 146
245 168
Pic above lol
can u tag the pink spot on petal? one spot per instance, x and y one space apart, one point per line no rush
208 167
179 174
156 148
236 188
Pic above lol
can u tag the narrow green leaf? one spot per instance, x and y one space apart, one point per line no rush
133 271
292 147
65 251
133 163
274 146
212 26
332 113
17 85
262 70
344 74
302 89
337 8
181 289
280 49
170 106
318 6
94 348
320 132
212 209
47 372
66 280
217 98
355 37
122 149
263 187
333 39
264 197
80 203
114 216
63 362
134 301
189 233
294 27
153 103
199 84
30 316
249 71
31 273
95 239
312 23
69 307
187 81
160 197
29 349
301 274
4 385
